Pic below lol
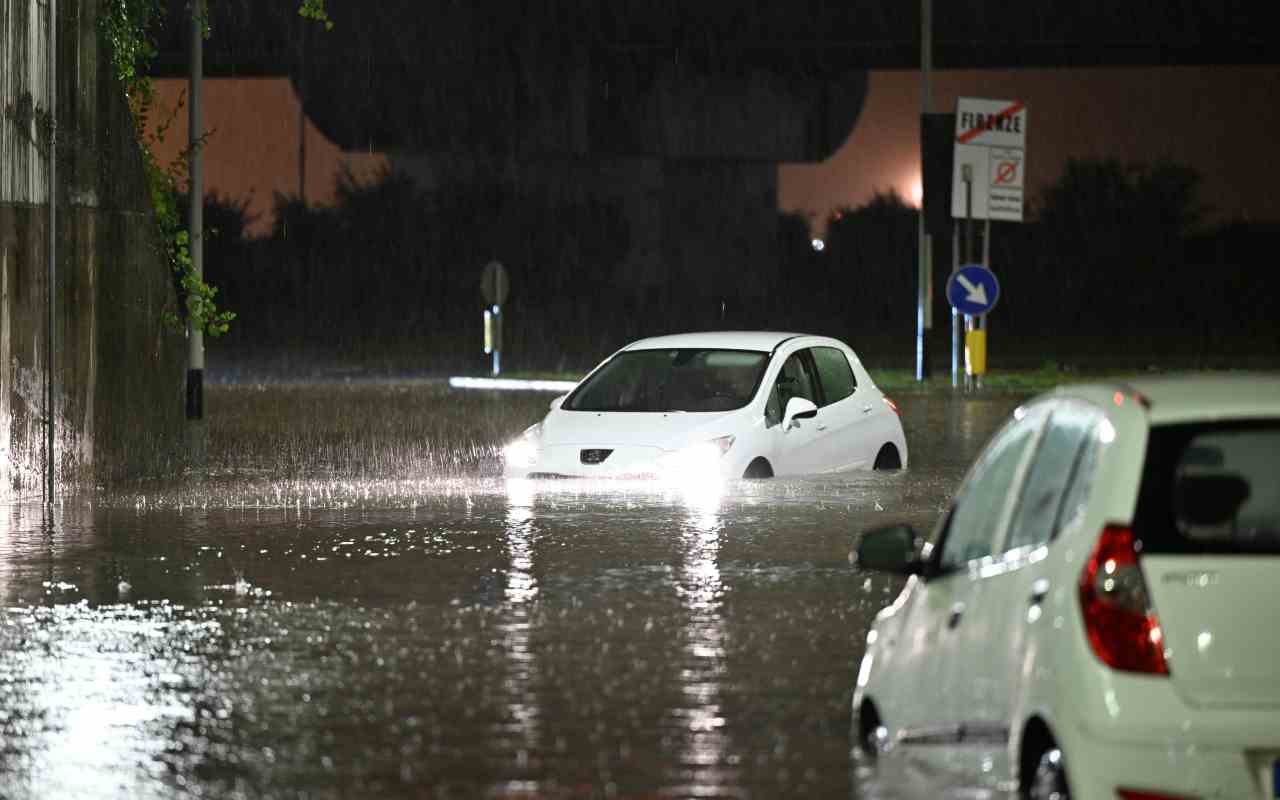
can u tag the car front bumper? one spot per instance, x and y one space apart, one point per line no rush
624 462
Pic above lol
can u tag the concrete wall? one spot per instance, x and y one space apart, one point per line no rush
118 371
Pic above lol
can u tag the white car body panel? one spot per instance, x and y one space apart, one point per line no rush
1020 657
1219 616
843 435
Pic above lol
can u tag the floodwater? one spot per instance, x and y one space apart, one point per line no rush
460 636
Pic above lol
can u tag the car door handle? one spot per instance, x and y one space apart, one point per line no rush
867 409
953 619
822 426
1039 590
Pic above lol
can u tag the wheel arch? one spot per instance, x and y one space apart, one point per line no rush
866 719
888 457
1035 737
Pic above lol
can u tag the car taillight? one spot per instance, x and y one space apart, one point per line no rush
1144 794
1118 618
892 405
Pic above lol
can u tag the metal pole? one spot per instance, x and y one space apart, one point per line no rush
497 339
966 173
50 409
981 322
195 219
956 333
302 124
986 243
924 258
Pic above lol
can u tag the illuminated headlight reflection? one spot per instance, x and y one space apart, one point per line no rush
523 452
701 460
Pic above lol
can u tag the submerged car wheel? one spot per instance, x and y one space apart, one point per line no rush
759 468
1049 782
888 458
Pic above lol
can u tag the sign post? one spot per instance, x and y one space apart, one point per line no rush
987 183
973 290
494 286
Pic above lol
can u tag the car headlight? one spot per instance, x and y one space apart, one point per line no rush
698 458
523 451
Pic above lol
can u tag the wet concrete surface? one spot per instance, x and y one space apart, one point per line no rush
460 636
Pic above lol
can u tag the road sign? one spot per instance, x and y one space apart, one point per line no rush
973 289
991 138
494 284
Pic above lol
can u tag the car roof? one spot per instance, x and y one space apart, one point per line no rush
762 341
1192 397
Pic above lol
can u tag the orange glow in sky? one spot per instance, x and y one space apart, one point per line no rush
1220 120
915 192
252 151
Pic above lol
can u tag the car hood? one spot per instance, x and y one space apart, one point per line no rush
669 430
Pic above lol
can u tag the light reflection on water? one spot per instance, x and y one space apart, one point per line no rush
463 636
707 746
520 591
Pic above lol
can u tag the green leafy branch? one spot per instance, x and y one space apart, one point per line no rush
125 27
315 10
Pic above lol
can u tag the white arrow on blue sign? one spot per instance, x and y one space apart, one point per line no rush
973 289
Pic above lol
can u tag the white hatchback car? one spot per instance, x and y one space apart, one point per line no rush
731 404
1098 615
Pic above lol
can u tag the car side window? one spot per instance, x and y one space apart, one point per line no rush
1076 498
975 520
1050 475
772 408
834 374
794 380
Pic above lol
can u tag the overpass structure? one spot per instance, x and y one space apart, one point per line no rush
678 112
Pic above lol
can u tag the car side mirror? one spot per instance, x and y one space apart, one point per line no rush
555 402
798 408
895 549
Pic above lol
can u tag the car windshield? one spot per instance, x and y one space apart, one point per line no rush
683 379
1211 488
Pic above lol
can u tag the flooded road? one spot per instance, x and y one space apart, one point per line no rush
331 634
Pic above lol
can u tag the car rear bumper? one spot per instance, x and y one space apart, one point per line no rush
1149 740
1183 768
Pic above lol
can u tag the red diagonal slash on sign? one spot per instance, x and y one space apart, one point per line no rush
991 122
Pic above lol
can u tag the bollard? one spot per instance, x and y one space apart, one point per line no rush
975 352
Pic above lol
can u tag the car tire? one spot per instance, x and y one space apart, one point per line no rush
887 459
1049 781
758 468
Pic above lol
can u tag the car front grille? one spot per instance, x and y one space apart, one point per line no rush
593 456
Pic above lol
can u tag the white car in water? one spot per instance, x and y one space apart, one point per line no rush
1096 615
729 405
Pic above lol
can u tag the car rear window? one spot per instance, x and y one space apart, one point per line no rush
1211 488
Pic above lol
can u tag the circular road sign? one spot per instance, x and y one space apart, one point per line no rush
973 289
494 284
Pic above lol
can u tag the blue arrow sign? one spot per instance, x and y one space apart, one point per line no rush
973 289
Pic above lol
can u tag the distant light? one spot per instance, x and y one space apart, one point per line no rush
512 384
819 245
1106 432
